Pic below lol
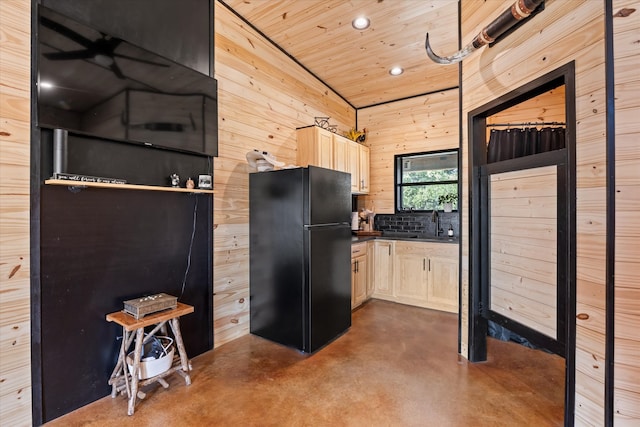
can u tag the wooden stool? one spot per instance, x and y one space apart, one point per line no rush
121 380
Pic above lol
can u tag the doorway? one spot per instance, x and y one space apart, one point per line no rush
522 219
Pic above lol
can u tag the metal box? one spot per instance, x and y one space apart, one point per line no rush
140 307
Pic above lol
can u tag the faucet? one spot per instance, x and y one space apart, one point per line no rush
435 218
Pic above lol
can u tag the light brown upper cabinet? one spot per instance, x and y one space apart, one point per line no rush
358 166
354 165
321 147
340 154
363 178
315 147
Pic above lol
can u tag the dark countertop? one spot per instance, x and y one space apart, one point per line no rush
406 237
358 239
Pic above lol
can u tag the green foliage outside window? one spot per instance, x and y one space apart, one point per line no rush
424 182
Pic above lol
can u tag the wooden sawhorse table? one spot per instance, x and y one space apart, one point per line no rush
121 380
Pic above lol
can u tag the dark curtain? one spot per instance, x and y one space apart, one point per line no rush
512 143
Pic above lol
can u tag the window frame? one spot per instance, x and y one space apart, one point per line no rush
398 185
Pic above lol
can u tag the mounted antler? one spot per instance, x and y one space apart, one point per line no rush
521 9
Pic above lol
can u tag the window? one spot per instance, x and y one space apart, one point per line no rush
424 179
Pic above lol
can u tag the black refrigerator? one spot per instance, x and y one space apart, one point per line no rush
300 249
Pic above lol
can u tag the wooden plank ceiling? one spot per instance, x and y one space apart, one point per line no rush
355 64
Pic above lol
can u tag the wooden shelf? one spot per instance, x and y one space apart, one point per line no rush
130 323
81 184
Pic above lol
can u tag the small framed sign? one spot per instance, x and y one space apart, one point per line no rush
204 181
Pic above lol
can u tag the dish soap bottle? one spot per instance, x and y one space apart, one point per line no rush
450 231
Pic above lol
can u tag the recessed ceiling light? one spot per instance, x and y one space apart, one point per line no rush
46 85
396 71
361 23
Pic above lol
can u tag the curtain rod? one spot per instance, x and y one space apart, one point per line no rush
528 124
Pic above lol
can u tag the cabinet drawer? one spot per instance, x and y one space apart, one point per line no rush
427 249
411 248
358 249
445 250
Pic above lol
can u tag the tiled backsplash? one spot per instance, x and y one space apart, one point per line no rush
417 223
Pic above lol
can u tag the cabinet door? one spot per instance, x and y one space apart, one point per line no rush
360 281
364 168
324 149
358 273
410 265
383 268
353 283
315 147
411 277
353 156
340 154
443 283
370 263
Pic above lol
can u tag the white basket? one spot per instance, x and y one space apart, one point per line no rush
150 366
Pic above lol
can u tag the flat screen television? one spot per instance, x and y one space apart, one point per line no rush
94 84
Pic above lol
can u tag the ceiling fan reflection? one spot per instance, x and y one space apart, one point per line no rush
101 50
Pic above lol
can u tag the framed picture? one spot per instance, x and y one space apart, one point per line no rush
204 181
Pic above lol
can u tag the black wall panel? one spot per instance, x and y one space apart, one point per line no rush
101 247
136 163
94 248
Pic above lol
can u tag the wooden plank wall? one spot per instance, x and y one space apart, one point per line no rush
627 288
414 125
547 107
262 97
15 333
523 245
564 31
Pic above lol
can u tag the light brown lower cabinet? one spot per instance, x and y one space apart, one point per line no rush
442 286
411 279
382 268
359 274
370 265
423 274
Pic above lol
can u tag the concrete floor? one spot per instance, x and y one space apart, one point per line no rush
396 366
